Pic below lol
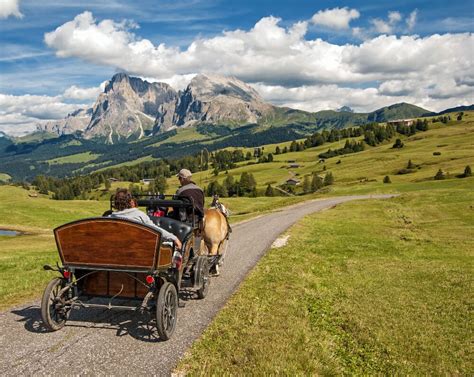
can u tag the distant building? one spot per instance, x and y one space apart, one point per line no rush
112 179
293 181
294 165
146 181
401 122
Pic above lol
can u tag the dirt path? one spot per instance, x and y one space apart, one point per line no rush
121 343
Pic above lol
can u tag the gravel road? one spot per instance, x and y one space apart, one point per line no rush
97 341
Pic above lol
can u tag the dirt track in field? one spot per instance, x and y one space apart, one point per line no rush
97 341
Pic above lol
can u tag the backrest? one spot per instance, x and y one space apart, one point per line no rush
108 243
181 230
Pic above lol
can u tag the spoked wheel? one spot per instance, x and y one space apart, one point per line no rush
166 311
54 311
201 276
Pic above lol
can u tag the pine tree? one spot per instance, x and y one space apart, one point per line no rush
277 150
316 183
387 179
467 171
328 179
410 165
269 191
439 175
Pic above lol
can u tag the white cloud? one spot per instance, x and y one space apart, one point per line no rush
10 8
75 92
411 20
434 71
394 17
20 114
336 18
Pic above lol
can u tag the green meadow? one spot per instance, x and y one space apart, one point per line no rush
370 287
22 257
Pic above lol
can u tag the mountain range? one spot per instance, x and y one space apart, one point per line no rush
134 120
131 108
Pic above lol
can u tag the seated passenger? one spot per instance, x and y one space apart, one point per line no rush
192 191
126 208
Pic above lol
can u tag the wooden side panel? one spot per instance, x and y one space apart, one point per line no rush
96 284
107 242
121 284
110 283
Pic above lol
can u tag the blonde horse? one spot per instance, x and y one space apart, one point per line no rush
216 232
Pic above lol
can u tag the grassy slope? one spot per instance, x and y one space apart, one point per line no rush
373 287
373 163
78 157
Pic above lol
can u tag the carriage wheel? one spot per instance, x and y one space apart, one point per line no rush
201 276
166 310
54 312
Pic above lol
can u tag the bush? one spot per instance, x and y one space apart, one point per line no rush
387 179
439 175
467 171
436 153
398 144
269 191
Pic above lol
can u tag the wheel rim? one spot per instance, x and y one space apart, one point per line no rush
169 311
55 302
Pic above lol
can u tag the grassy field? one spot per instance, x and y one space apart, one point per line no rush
372 287
73 158
453 141
22 258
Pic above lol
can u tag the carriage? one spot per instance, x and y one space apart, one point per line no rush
125 261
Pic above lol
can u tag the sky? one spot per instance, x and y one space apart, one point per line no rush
55 56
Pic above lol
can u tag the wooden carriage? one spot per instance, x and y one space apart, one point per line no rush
120 259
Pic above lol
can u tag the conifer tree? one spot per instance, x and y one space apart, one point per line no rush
316 183
467 171
328 179
439 175
387 179
269 191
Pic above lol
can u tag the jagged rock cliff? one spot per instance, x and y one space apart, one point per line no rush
128 107
76 121
215 99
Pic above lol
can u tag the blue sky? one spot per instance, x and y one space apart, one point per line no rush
56 54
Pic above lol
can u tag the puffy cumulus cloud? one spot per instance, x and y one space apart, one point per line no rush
394 17
336 18
387 27
392 24
411 19
10 8
21 114
77 93
323 97
273 56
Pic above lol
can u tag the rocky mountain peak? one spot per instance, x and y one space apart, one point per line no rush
209 86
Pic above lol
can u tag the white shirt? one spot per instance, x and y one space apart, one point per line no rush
135 214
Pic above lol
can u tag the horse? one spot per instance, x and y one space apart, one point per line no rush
216 231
